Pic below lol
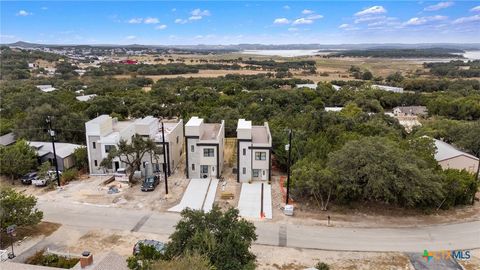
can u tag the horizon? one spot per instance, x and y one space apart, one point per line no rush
188 23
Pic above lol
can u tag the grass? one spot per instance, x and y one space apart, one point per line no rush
43 228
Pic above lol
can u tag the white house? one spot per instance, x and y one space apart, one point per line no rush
388 88
104 133
46 88
204 144
254 152
451 158
307 85
85 97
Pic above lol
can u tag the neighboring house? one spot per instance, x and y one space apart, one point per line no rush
104 133
410 110
333 109
388 88
7 139
64 151
451 158
46 88
254 152
336 87
307 85
204 144
85 97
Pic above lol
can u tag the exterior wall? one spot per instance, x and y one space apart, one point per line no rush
176 149
94 154
193 157
221 146
460 163
244 161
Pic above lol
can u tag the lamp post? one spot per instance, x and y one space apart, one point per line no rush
288 148
12 231
51 132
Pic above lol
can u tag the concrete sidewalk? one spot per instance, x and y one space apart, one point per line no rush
250 202
199 195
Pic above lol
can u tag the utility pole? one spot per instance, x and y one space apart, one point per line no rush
164 159
51 132
289 148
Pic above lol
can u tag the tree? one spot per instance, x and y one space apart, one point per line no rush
367 75
224 238
131 153
187 262
145 257
18 159
461 187
80 155
18 209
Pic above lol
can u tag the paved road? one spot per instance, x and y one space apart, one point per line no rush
432 238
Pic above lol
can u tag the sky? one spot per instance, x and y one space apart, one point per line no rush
235 22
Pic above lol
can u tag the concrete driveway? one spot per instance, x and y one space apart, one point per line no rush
250 202
200 194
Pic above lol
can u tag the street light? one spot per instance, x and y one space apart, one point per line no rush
51 132
288 147
12 231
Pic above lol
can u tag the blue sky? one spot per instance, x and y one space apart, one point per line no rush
233 22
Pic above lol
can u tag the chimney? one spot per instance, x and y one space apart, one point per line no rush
86 259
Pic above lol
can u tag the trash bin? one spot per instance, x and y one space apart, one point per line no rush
288 210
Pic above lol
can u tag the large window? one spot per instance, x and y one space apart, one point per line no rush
208 152
204 169
256 172
109 148
260 156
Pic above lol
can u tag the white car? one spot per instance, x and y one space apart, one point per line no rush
40 182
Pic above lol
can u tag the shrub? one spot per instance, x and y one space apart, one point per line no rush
69 175
322 266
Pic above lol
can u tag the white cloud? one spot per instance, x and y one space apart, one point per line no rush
293 29
150 20
475 9
135 20
371 10
474 18
180 21
424 20
161 27
44 8
174 9
307 11
130 37
438 6
286 7
343 26
315 17
368 19
302 21
281 21
199 12
23 13
195 18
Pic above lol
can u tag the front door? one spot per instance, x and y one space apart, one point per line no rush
203 171
117 165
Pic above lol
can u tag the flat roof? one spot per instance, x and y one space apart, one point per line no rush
244 124
210 131
194 121
260 134
121 125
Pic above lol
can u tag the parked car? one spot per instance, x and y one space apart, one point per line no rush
53 174
27 178
159 246
121 175
150 183
40 182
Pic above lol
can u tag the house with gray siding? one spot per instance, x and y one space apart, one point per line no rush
254 152
204 143
64 151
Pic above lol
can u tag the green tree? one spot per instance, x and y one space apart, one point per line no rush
17 159
367 75
461 187
80 156
145 257
224 238
131 153
18 208
187 262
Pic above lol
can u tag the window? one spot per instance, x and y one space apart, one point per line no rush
244 151
108 148
204 169
208 152
260 156
244 170
192 148
95 162
177 139
94 144
256 172
193 167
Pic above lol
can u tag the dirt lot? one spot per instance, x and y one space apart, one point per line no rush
204 73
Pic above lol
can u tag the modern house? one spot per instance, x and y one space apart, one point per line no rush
104 133
451 158
64 151
204 144
46 88
254 152
410 111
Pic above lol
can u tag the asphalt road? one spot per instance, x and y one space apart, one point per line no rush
415 239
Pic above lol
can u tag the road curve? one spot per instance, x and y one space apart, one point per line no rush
415 239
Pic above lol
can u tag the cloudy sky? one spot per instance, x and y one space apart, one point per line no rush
233 22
